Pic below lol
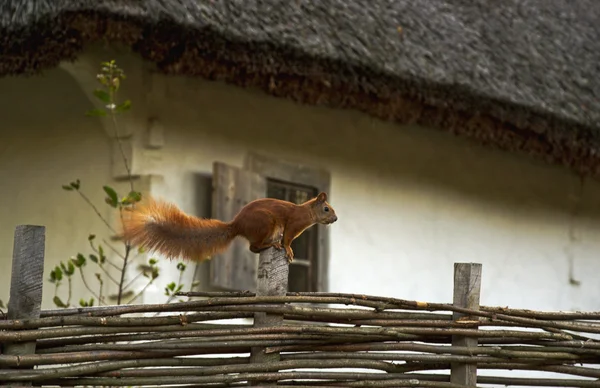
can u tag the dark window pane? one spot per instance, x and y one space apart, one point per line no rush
305 246
301 245
275 191
298 279
300 196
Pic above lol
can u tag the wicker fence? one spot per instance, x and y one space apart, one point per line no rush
291 339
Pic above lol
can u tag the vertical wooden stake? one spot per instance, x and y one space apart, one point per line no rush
467 288
272 280
26 282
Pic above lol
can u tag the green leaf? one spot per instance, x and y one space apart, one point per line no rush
101 254
68 188
91 237
95 113
85 303
136 196
102 95
58 302
124 107
155 272
94 258
113 198
171 286
58 273
79 261
181 266
76 185
132 197
99 277
179 287
70 268
152 261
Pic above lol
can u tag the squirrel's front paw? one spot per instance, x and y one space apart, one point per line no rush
277 245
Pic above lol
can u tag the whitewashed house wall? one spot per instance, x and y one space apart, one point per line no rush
411 201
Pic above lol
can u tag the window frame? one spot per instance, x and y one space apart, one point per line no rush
302 174
310 261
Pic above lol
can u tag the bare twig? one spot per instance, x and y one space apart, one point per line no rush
400 380
405 304
87 286
123 269
86 199
136 277
150 282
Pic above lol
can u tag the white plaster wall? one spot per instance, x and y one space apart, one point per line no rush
411 201
45 142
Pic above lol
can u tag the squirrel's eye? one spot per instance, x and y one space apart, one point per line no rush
326 208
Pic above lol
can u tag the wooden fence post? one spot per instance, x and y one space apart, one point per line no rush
26 282
272 280
467 288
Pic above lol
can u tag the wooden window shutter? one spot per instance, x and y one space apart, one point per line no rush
233 187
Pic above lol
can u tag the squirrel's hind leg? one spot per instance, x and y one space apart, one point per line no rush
270 240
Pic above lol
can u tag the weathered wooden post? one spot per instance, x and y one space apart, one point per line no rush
272 280
467 288
26 282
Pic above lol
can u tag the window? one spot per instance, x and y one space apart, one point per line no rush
302 277
234 187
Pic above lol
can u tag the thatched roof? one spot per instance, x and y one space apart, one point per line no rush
520 75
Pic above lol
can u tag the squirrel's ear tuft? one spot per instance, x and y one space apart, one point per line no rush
322 197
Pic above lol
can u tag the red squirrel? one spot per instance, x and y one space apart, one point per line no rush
266 222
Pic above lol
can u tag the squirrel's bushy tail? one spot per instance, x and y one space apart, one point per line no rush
162 227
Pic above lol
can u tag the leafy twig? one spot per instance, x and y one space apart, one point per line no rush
154 272
100 298
85 283
110 78
70 294
118 137
100 251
